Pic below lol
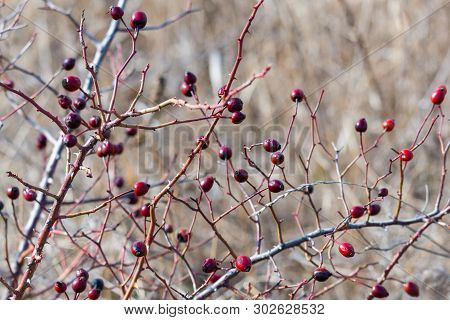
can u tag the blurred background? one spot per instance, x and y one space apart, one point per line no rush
374 59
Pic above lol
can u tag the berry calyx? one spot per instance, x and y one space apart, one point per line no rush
406 155
388 125
411 289
71 83
70 140
81 273
12 193
438 95
138 20
277 158
243 263
187 89
116 12
183 235
237 117
357 212
64 101
361 125
94 294
276 186
145 210
378 291
271 145
190 78
29 194
68 63
79 103
59 287
234 104
373 209
297 95
383 192
225 153
98 283
321 274
41 141
209 265
241 175
72 120
138 249
347 250
79 285
141 188
95 122
207 183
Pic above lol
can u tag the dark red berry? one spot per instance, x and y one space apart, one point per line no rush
138 20
8 83
406 155
297 95
308 189
207 183
79 103
209 265
64 101
59 287
214 278
190 78
107 147
118 181
187 89
277 158
68 63
241 175
168 228
221 91
183 235
72 120
389 125
361 125
237 117
41 141
141 188
411 288
116 12
138 249
131 132
132 198
383 192
71 83
70 140
100 153
438 95
94 294
321 274
374 209
378 291
357 212
79 284
117 148
225 153
145 210
81 273
243 263
98 283
276 186
95 122
12 193
29 194
347 250
271 145
205 143
234 104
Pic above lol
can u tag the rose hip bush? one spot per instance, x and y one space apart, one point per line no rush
244 229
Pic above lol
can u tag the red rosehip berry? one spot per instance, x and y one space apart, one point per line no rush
41 141
107 147
12 193
190 78
72 120
68 63
389 125
116 12
297 95
271 145
118 181
411 289
79 284
29 194
243 263
209 265
225 153
71 83
141 188
138 20
237 117
234 104
378 291
79 103
207 183
347 250
321 274
277 158
276 186
64 101
70 140
221 91
131 132
95 122
183 235
81 273
59 287
361 125
406 155
383 192
373 209
145 210
357 212
138 249
205 143
241 175
438 95
94 294
187 89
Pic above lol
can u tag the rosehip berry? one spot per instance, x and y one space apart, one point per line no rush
243 263
95 122
389 125
308 189
79 285
138 20
277 158
79 103
411 288
94 294
237 117
190 78
347 250
168 228
378 291
138 249
81 273
12 193
438 95
383 192
297 95
225 153
100 153
68 63
209 265
107 148
145 210
214 278
374 209
221 91
321 274
117 148
276 186
59 287
131 132
406 155
98 283
116 12
118 181
132 198
141 188
207 183
357 212
205 143
71 83
187 89
183 235
64 101
361 125
271 145
234 105
72 120
241 175
70 140
9 83
29 194
41 141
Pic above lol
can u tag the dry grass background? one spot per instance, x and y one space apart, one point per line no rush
309 44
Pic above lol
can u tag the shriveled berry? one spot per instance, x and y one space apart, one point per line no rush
41 141
94 294
225 153
271 145
183 235
187 89
237 117
68 63
12 193
95 122
190 78
141 188
234 104
138 249
207 183
321 274
383 192
221 91
72 120
118 181
241 175
297 95
131 132
276 186
145 210
116 12
361 125
81 273
79 103
209 265
64 101
138 20
71 83
378 291
347 250
98 283
205 143
79 284
406 155
29 194
357 212
70 140
243 263
411 289
277 158
374 209
438 95
59 287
